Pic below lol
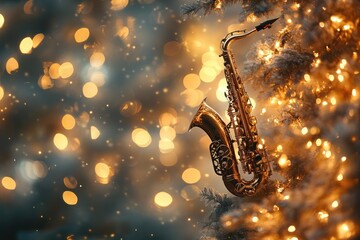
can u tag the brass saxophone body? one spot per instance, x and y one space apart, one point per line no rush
240 133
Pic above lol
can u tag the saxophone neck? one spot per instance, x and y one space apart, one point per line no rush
236 35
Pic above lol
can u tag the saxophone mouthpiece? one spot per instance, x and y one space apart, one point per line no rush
266 24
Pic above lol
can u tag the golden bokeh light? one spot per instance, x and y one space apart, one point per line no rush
182 125
66 70
212 60
45 82
37 39
97 59
284 161
2 20
26 45
90 90
335 204
60 141
220 91
167 132
70 198
54 71
191 81
252 102
81 35
167 119
98 78
28 6
346 230
11 65
39 169
68 121
168 159
8 183
291 228
163 199
323 216
94 132
191 175
166 145
207 74
340 177
70 182
193 97
119 4
123 32
102 170
209 57
141 137
304 130
1 93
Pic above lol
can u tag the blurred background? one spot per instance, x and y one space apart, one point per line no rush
96 97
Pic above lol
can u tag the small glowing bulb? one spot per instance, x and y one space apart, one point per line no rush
307 77
335 204
323 216
255 219
304 130
336 19
333 101
341 78
291 228
331 77
346 230
343 158
283 161
354 92
340 177
346 27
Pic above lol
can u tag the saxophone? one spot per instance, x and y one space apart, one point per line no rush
240 132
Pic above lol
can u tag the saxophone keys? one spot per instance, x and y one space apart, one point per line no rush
252 120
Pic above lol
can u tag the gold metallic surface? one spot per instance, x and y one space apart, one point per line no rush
242 126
